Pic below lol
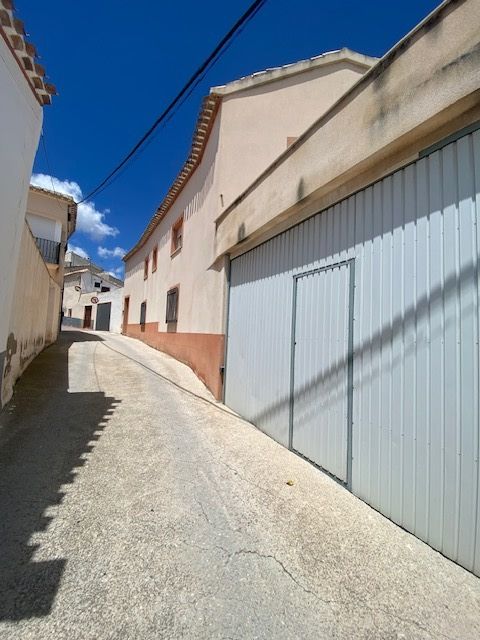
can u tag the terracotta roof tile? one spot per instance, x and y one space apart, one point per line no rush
12 30
200 138
207 117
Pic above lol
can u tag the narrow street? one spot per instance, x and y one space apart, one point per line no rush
135 506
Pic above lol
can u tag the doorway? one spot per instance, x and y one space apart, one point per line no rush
322 368
103 316
87 317
126 307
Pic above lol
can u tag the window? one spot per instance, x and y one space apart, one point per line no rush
145 269
154 259
172 305
96 285
104 289
177 236
143 312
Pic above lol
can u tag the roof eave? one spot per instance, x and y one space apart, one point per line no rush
13 32
302 66
201 136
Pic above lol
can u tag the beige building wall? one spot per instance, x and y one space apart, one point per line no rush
33 322
44 207
250 130
427 87
19 134
259 121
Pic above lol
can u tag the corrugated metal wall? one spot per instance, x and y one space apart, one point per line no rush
415 240
321 386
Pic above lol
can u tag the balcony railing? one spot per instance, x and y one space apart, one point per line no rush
49 249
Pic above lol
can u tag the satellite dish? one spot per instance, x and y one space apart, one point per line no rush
77 288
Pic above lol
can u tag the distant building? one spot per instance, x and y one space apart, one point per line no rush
74 260
92 298
29 279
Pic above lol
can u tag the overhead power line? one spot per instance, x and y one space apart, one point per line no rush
183 93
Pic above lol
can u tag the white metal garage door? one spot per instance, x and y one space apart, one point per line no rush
414 237
321 383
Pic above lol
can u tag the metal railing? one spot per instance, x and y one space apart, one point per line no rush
49 249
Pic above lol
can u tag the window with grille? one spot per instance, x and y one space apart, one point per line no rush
145 269
154 259
172 305
143 312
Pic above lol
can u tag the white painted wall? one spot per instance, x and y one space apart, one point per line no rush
44 227
76 301
20 127
33 321
115 297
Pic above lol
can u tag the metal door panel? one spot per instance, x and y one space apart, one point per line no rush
103 316
322 334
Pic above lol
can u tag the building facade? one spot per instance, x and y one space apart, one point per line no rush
34 316
24 93
354 312
92 298
174 285
352 317
29 289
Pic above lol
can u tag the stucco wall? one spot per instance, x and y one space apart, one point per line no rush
34 314
44 227
426 88
250 130
77 302
47 216
257 122
116 313
19 134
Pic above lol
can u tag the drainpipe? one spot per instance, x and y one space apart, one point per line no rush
223 369
60 313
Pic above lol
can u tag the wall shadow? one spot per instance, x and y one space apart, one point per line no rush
44 433
401 324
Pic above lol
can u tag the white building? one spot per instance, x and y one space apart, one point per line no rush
92 298
28 287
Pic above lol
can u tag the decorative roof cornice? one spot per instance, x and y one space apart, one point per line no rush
200 138
25 53
209 110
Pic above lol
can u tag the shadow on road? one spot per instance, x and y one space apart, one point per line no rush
44 432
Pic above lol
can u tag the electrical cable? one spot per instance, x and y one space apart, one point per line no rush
169 117
184 93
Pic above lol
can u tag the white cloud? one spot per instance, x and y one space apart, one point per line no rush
117 273
117 252
90 220
79 251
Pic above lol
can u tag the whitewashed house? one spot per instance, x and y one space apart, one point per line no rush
92 297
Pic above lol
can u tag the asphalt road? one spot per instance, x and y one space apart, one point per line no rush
133 506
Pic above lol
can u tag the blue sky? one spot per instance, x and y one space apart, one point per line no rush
116 65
